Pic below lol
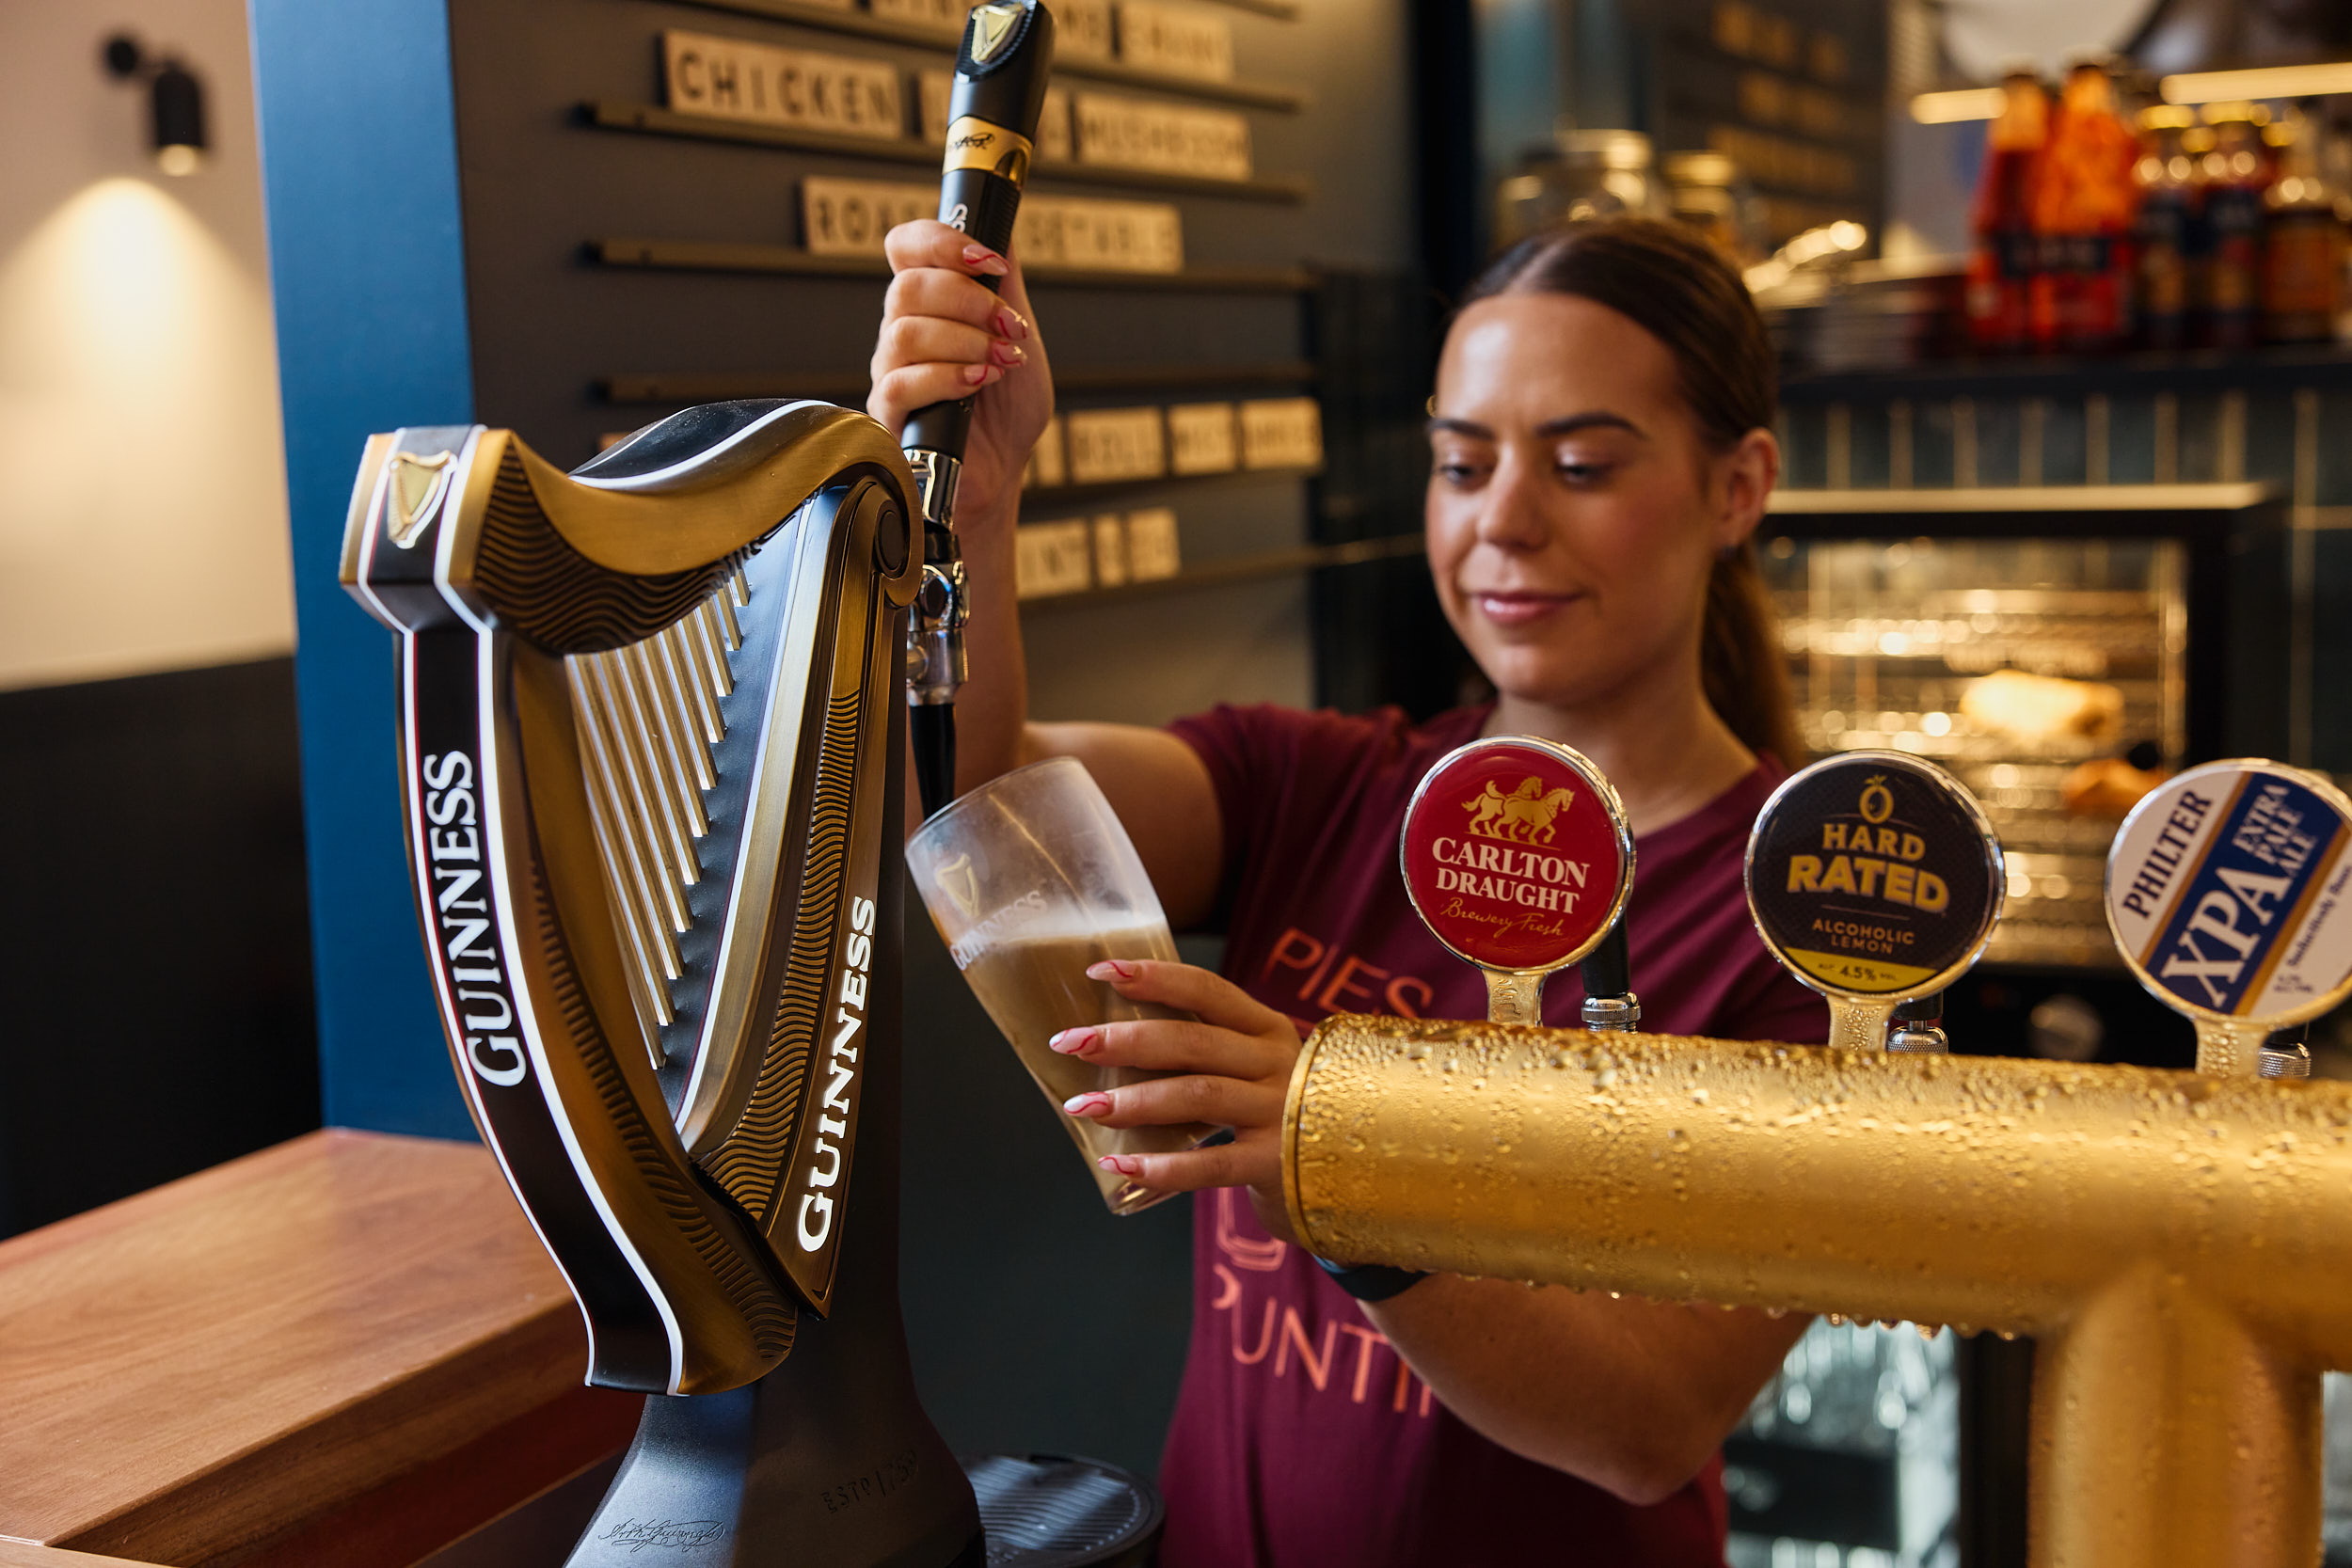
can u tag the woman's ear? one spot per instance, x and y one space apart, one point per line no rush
1747 475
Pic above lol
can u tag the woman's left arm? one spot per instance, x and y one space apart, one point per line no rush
1631 1395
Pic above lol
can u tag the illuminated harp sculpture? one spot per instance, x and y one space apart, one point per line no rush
651 721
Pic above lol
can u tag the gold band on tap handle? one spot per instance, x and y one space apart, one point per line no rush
2178 1245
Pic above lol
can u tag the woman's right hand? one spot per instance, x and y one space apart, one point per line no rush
944 337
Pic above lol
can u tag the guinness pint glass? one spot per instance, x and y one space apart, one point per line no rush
1031 880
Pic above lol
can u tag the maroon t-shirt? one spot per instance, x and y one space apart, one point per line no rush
1300 1440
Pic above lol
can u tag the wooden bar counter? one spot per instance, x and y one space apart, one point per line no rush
349 1349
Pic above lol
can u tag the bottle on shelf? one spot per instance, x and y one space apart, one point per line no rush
2303 248
2335 168
2001 268
2166 232
2084 201
2236 174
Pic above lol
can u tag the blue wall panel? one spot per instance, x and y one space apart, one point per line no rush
359 172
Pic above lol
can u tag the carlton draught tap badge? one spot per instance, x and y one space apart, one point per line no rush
1516 856
1875 878
2227 891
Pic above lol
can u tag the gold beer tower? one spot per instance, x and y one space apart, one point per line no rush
2178 1245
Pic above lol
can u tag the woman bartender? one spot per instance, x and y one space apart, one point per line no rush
1600 456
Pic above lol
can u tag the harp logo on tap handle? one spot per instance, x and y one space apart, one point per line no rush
1516 857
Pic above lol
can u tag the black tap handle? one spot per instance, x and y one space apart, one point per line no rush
1923 1009
1608 968
992 111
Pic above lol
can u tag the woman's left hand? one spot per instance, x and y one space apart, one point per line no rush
1232 1068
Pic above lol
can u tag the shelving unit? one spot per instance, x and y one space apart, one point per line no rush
654 387
652 120
857 23
792 262
1239 569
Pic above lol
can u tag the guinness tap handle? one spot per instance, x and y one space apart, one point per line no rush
992 111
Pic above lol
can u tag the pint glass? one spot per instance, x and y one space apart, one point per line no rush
1030 880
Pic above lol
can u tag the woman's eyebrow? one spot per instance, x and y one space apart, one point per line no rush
1568 424
1470 428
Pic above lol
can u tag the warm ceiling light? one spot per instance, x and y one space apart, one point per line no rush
175 102
1946 108
2275 81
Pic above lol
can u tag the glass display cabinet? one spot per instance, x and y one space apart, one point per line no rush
2050 647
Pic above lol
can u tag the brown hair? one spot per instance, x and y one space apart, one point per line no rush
1669 283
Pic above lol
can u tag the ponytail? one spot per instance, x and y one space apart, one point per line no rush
1741 667
1675 286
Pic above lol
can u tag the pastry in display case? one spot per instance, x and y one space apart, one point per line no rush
2049 675
2060 652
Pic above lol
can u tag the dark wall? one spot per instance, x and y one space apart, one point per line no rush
153 939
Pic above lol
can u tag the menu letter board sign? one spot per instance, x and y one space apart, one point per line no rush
735 79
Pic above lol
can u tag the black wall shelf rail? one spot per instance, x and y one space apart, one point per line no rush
856 24
1237 569
688 386
790 260
1040 500
645 117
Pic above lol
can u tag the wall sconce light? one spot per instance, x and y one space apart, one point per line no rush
175 98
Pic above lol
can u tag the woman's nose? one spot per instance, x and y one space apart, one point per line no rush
1511 517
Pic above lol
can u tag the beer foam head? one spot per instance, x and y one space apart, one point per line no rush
1874 875
2227 890
1516 854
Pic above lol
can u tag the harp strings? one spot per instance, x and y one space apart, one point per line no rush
649 716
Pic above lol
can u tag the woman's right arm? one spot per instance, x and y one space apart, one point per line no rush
944 336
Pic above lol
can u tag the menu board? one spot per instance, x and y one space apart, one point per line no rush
1099 236
1202 438
1052 558
1082 29
1046 468
1181 40
1281 433
1152 551
1108 550
850 217
1166 139
1109 445
734 79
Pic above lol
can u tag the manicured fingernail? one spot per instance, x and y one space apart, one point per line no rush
1122 1165
1011 324
1088 1105
980 375
1111 969
1076 1042
982 259
1009 354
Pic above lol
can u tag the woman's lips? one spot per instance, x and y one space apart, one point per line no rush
1520 609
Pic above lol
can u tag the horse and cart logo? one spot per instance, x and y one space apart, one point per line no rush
1523 816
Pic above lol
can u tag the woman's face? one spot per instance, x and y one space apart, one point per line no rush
1573 509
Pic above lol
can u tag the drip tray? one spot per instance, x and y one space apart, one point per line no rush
1051 1511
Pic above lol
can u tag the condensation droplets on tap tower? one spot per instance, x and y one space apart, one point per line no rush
1177 784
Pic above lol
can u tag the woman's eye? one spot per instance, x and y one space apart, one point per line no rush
1454 471
1577 470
